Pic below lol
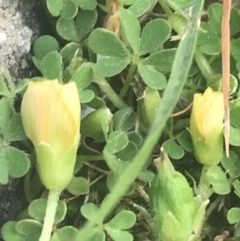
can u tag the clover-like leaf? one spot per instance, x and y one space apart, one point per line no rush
124 119
9 232
152 77
231 164
65 234
111 61
208 41
161 60
131 31
51 66
89 211
173 149
154 34
234 136
128 153
123 220
185 141
233 215
116 142
218 180
69 9
78 186
17 161
55 7
37 210
87 4
139 7
44 45
28 226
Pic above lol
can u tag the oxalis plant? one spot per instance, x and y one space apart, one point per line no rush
121 136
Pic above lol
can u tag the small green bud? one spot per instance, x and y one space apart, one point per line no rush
173 203
148 105
94 124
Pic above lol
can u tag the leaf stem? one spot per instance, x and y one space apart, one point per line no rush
203 65
128 81
110 93
165 7
52 204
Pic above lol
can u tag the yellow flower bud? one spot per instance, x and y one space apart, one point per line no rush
51 119
206 126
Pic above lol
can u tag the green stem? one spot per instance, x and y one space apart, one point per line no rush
52 204
128 81
91 157
110 93
165 7
204 188
203 65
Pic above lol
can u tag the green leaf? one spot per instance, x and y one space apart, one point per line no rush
7 111
209 41
173 149
17 161
233 215
185 141
37 210
66 28
235 113
234 136
124 119
85 21
154 34
87 4
89 211
215 16
9 232
3 87
51 66
96 235
118 235
128 153
100 40
135 137
234 20
94 124
44 45
69 9
162 60
21 86
28 226
69 51
3 168
86 95
131 31
231 164
151 77
216 177
146 176
83 76
116 142
78 186
112 60
139 7
123 220
66 233
14 130
110 66
54 7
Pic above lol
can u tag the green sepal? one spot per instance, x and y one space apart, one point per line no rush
55 169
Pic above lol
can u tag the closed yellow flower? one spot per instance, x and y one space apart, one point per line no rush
206 126
51 119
